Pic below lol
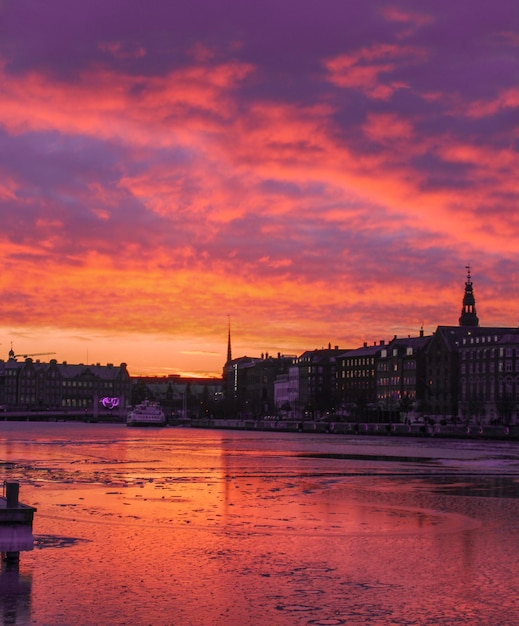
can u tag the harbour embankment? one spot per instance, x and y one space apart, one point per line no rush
412 429
475 431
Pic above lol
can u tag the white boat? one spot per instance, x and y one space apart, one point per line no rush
146 413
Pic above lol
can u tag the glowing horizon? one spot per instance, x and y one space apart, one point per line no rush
320 176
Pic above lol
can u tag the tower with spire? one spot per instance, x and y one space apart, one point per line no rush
468 315
229 352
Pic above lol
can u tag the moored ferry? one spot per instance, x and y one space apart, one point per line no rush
146 413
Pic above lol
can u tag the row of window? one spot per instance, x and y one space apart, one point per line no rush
76 402
395 352
492 353
480 388
472 340
355 384
88 384
358 374
23 385
32 384
396 395
396 381
473 391
477 368
358 362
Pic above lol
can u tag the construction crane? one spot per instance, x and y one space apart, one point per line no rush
12 355
34 354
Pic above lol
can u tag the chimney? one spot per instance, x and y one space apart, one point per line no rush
11 494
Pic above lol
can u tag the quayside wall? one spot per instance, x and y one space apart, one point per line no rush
472 431
358 428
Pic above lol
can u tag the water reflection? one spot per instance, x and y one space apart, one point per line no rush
15 586
191 527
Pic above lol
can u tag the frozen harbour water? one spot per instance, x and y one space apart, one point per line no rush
192 527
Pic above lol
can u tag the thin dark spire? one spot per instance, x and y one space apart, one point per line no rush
229 351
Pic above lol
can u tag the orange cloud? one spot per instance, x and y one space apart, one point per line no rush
237 204
388 128
103 104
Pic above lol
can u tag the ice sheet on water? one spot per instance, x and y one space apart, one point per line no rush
227 528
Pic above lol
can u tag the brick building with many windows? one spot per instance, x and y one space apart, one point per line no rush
489 376
400 374
356 379
36 386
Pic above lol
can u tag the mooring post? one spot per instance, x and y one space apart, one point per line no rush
11 494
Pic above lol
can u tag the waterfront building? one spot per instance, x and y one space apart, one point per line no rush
317 381
442 367
38 386
444 377
181 396
489 376
286 394
249 384
472 374
442 372
462 369
356 380
400 376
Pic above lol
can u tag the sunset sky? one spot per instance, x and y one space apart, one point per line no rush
321 172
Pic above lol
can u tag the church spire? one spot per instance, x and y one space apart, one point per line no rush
468 312
229 352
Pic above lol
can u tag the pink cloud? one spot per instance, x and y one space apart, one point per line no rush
508 99
412 20
124 52
7 187
369 69
284 143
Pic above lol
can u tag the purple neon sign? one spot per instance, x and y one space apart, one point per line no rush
110 403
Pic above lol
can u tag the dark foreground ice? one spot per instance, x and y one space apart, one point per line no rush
189 527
